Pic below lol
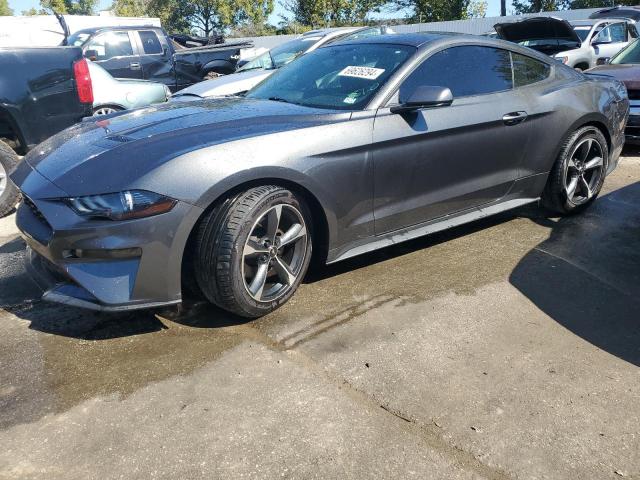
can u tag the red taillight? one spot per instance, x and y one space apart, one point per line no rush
83 81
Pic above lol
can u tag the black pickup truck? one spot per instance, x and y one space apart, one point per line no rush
42 91
148 53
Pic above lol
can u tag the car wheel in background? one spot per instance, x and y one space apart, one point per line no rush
211 75
9 194
253 250
106 110
578 174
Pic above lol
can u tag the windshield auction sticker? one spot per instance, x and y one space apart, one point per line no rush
369 73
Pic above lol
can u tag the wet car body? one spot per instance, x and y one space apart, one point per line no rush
373 177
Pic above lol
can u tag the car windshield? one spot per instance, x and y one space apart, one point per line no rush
630 54
282 54
582 32
337 77
78 39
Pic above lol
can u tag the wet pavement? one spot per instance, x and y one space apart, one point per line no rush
509 348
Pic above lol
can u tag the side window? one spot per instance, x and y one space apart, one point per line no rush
633 33
613 33
111 44
466 70
150 42
527 70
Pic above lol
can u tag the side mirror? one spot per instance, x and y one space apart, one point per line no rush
91 55
603 61
425 96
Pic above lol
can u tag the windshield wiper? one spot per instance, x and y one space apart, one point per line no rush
278 99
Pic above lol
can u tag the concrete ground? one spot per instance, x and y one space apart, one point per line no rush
507 349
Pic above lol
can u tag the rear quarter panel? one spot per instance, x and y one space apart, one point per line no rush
559 107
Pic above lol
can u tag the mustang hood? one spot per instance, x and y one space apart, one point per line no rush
531 30
123 148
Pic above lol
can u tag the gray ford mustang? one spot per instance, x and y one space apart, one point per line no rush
351 148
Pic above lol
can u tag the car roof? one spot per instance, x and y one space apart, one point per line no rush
93 30
410 39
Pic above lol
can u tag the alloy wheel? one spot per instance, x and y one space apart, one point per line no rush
584 171
104 111
274 253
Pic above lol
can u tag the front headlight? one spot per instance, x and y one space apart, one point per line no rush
121 206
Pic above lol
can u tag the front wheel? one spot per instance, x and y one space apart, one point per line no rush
9 194
578 174
253 250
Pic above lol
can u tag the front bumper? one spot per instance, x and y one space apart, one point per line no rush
147 275
632 131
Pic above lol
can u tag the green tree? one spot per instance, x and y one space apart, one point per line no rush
33 11
5 11
174 14
70 7
476 9
129 8
332 13
535 6
435 10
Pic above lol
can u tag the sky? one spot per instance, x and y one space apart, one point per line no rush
493 8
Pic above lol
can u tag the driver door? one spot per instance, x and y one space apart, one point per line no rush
438 161
610 40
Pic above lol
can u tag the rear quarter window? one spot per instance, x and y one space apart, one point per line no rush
527 70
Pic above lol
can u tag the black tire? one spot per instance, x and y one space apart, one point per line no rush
555 197
219 261
10 196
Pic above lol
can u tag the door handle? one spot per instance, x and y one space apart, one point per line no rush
514 118
134 66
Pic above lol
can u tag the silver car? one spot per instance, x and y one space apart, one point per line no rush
253 72
112 95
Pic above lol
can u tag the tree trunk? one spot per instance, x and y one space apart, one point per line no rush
503 8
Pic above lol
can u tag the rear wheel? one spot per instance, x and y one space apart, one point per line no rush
106 110
9 194
252 251
578 174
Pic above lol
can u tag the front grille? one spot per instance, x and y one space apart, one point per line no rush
634 94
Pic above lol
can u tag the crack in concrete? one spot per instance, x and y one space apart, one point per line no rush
429 434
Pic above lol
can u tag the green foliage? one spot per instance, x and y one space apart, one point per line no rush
70 7
535 6
129 8
332 13
5 11
34 11
435 10
476 9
